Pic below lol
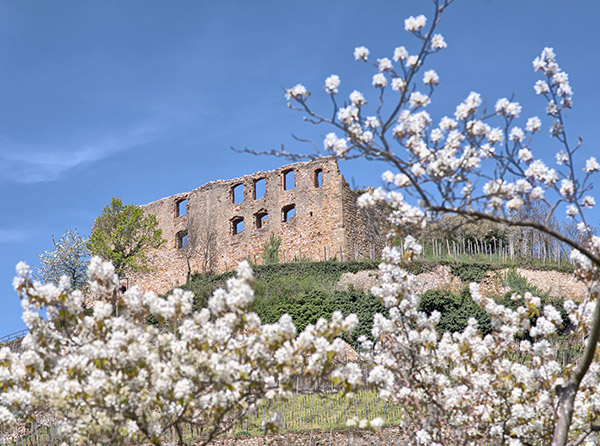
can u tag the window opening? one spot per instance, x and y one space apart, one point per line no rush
259 188
181 207
182 239
237 193
289 179
237 225
319 178
287 212
262 218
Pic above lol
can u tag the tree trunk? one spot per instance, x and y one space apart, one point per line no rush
567 393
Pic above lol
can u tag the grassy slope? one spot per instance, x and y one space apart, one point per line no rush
307 291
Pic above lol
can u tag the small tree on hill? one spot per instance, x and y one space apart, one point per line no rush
69 258
201 244
123 235
271 250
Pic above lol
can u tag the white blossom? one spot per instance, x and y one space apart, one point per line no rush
430 77
361 53
468 106
415 23
591 165
588 201
398 84
572 211
418 99
412 61
357 98
541 87
514 204
339 146
332 83
516 134
384 64
298 92
533 124
379 80
567 188
437 42
400 53
507 108
561 157
525 155
377 423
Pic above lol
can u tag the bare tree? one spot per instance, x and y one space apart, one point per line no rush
201 244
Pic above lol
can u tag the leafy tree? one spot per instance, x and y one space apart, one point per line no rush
69 258
123 235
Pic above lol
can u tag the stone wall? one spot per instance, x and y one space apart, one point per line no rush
308 205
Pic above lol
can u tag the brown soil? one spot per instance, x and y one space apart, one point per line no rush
559 284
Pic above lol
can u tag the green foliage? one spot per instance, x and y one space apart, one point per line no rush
306 308
470 272
364 305
123 234
69 258
271 250
305 290
455 310
519 284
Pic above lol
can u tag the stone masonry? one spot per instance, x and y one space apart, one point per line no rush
308 205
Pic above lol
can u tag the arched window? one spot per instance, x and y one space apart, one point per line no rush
237 193
318 178
288 179
259 188
181 239
237 225
262 218
287 212
181 207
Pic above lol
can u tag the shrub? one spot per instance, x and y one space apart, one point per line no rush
455 310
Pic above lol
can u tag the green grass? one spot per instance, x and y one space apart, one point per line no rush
320 411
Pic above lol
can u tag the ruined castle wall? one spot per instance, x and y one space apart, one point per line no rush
326 222
364 228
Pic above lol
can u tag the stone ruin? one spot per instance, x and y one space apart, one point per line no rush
308 205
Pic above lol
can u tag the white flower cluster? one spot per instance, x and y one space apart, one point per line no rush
451 385
467 387
111 378
332 83
413 24
298 92
339 146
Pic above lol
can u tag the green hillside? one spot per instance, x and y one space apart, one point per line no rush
307 291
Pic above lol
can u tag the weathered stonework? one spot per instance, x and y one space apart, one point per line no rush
308 205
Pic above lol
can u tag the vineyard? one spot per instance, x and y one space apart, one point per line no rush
321 414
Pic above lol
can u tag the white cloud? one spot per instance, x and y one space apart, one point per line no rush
36 165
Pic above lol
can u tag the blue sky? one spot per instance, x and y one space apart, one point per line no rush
142 99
